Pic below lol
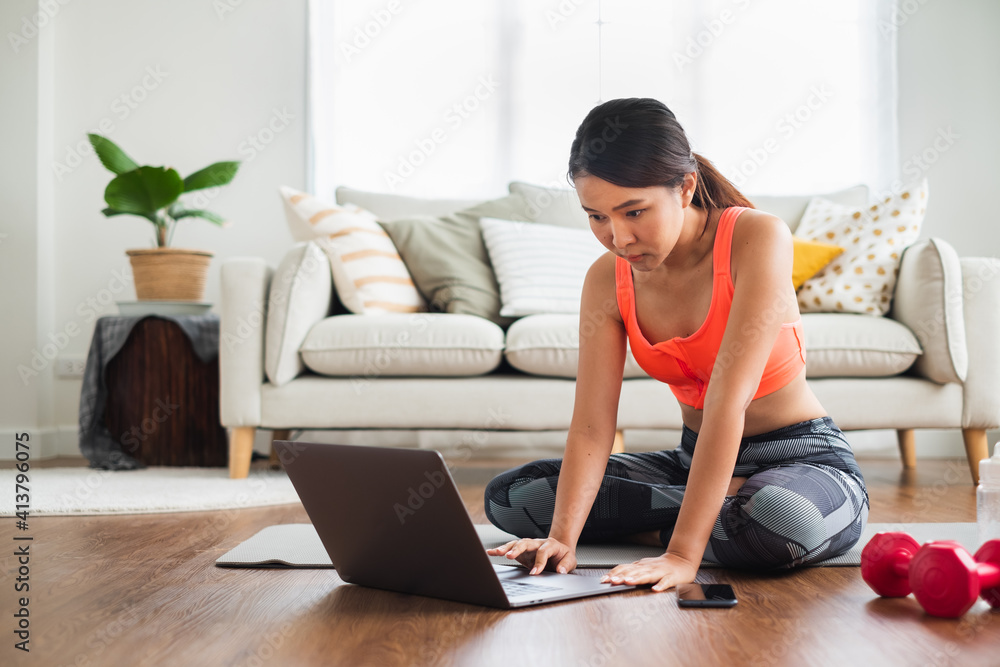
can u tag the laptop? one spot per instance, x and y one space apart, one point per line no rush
393 519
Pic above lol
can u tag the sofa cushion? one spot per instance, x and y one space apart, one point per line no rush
299 298
392 207
418 344
873 237
809 257
540 268
551 206
851 345
448 261
837 345
368 272
550 345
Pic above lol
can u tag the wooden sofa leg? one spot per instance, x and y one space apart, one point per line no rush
277 434
240 451
907 447
976 449
619 445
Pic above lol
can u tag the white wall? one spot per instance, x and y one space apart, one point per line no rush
223 75
179 83
949 77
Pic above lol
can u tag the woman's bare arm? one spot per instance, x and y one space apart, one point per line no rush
762 297
595 410
592 429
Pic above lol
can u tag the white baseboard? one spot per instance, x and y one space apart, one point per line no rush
44 443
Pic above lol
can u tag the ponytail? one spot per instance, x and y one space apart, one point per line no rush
714 190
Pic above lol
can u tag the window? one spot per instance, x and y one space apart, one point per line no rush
456 98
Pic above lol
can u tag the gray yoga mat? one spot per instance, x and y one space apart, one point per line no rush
298 545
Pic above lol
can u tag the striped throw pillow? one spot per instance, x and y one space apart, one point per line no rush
368 272
540 268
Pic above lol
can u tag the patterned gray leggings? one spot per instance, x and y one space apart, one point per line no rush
804 500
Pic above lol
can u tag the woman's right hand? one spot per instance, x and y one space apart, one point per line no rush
538 554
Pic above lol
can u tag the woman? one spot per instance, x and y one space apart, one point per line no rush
702 283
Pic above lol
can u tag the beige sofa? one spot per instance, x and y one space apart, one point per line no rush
462 385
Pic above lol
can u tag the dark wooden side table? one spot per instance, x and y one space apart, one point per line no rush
163 400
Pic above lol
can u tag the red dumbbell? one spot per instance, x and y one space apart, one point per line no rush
885 563
945 579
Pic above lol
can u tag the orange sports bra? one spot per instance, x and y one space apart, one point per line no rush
686 363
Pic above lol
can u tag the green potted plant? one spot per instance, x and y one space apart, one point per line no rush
161 273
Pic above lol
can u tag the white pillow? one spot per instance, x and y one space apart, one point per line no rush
862 279
540 268
299 298
368 272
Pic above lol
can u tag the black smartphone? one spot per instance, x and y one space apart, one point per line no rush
705 595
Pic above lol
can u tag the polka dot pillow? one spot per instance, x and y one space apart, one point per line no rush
862 279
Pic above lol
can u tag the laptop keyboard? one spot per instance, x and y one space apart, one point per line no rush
517 589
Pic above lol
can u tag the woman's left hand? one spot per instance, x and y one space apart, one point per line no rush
663 572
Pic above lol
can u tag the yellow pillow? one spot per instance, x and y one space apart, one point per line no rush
809 258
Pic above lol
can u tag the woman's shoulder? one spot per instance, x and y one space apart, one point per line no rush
759 228
759 236
600 285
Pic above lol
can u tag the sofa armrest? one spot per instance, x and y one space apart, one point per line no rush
928 300
981 280
244 282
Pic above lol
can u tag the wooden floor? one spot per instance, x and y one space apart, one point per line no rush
143 590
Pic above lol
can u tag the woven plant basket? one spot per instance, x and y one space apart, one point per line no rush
169 274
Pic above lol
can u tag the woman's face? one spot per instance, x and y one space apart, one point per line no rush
640 224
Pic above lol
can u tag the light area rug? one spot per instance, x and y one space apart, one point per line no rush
84 491
298 545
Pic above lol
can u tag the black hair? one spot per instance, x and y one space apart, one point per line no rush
637 142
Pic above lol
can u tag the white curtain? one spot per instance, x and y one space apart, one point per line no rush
455 98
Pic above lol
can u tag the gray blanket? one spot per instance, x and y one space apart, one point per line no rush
110 334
